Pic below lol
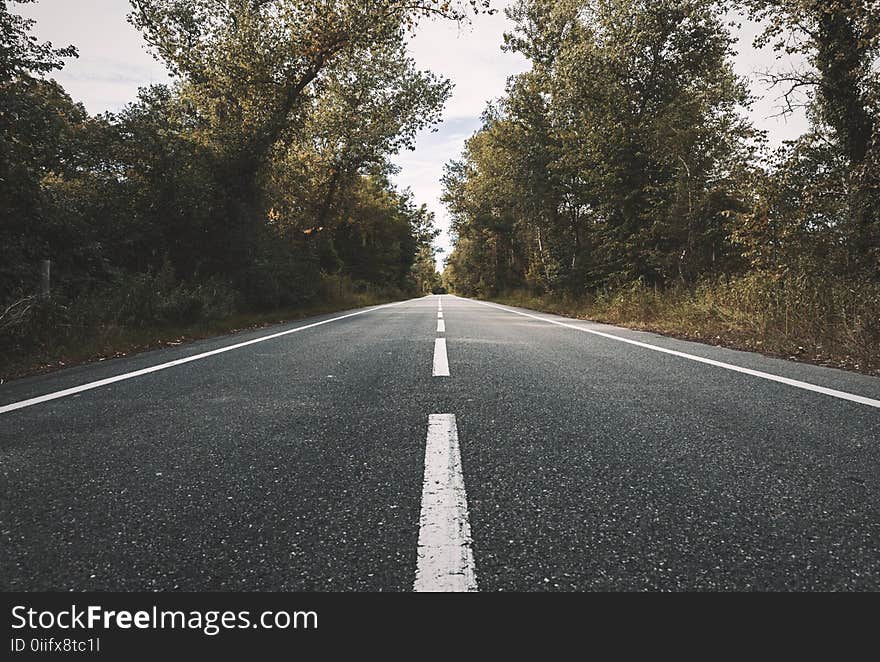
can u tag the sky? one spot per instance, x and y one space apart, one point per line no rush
113 64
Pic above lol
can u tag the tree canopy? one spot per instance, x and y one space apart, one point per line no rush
624 154
261 171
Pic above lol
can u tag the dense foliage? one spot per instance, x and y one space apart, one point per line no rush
261 171
623 156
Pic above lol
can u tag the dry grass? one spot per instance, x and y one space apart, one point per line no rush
819 320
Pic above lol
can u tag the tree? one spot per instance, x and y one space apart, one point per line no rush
617 157
249 67
21 55
840 40
263 168
38 122
367 107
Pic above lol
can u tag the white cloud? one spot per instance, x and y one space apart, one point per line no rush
470 56
112 63
766 111
421 169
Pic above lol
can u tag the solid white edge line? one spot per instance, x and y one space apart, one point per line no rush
445 558
170 364
441 326
441 362
719 364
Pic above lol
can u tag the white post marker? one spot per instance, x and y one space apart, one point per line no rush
445 559
441 326
441 363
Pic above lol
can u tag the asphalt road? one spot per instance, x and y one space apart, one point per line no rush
553 459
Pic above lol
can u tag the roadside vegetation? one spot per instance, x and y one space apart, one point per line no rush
254 186
826 322
618 179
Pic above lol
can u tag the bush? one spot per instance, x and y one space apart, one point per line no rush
142 300
340 288
820 316
281 277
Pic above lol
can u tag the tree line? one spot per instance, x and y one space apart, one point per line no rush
623 158
257 179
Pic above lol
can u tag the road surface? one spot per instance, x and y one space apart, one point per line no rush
441 444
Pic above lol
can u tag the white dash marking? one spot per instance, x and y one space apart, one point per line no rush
441 363
441 326
445 559
439 314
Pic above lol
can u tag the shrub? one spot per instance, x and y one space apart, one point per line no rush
800 313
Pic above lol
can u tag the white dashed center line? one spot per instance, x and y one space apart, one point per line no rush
441 326
441 363
445 559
